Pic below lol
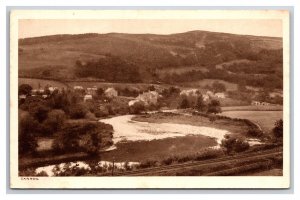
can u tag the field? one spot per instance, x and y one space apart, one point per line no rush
138 151
204 82
253 108
265 119
237 127
35 83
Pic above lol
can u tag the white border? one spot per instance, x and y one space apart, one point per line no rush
146 182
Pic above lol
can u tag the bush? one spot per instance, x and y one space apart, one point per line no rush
27 129
234 144
252 132
278 129
137 108
214 107
25 89
54 121
77 111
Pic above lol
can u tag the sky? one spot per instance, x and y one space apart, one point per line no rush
42 27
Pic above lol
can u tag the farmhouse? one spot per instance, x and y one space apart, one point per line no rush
205 97
210 94
220 95
255 103
149 98
92 91
52 89
87 97
22 96
78 87
111 93
191 92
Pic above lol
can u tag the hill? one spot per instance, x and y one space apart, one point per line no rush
151 55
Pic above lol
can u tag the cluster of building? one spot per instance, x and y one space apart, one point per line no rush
258 103
208 95
91 91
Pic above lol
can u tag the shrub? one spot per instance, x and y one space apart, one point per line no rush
234 144
77 111
137 107
214 107
278 129
25 89
253 132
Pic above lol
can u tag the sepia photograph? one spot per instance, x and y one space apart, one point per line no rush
149 99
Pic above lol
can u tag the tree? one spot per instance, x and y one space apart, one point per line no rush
234 144
27 128
99 92
151 88
184 103
77 111
200 105
39 111
278 129
218 87
214 107
54 121
137 107
25 89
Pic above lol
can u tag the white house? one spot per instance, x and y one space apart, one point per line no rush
87 97
191 92
205 97
255 103
111 93
22 96
52 89
92 90
78 87
210 94
149 98
220 95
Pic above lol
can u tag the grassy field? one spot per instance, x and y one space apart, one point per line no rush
204 82
157 149
180 70
237 127
265 119
253 108
36 82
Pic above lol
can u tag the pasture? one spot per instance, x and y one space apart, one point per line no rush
35 83
265 119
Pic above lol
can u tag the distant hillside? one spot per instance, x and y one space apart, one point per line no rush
55 56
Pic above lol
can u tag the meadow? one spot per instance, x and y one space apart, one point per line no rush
265 119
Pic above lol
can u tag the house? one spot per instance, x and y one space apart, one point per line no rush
132 102
78 87
205 97
92 91
265 103
87 97
22 96
220 95
44 96
52 89
149 98
210 94
255 103
111 93
191 92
